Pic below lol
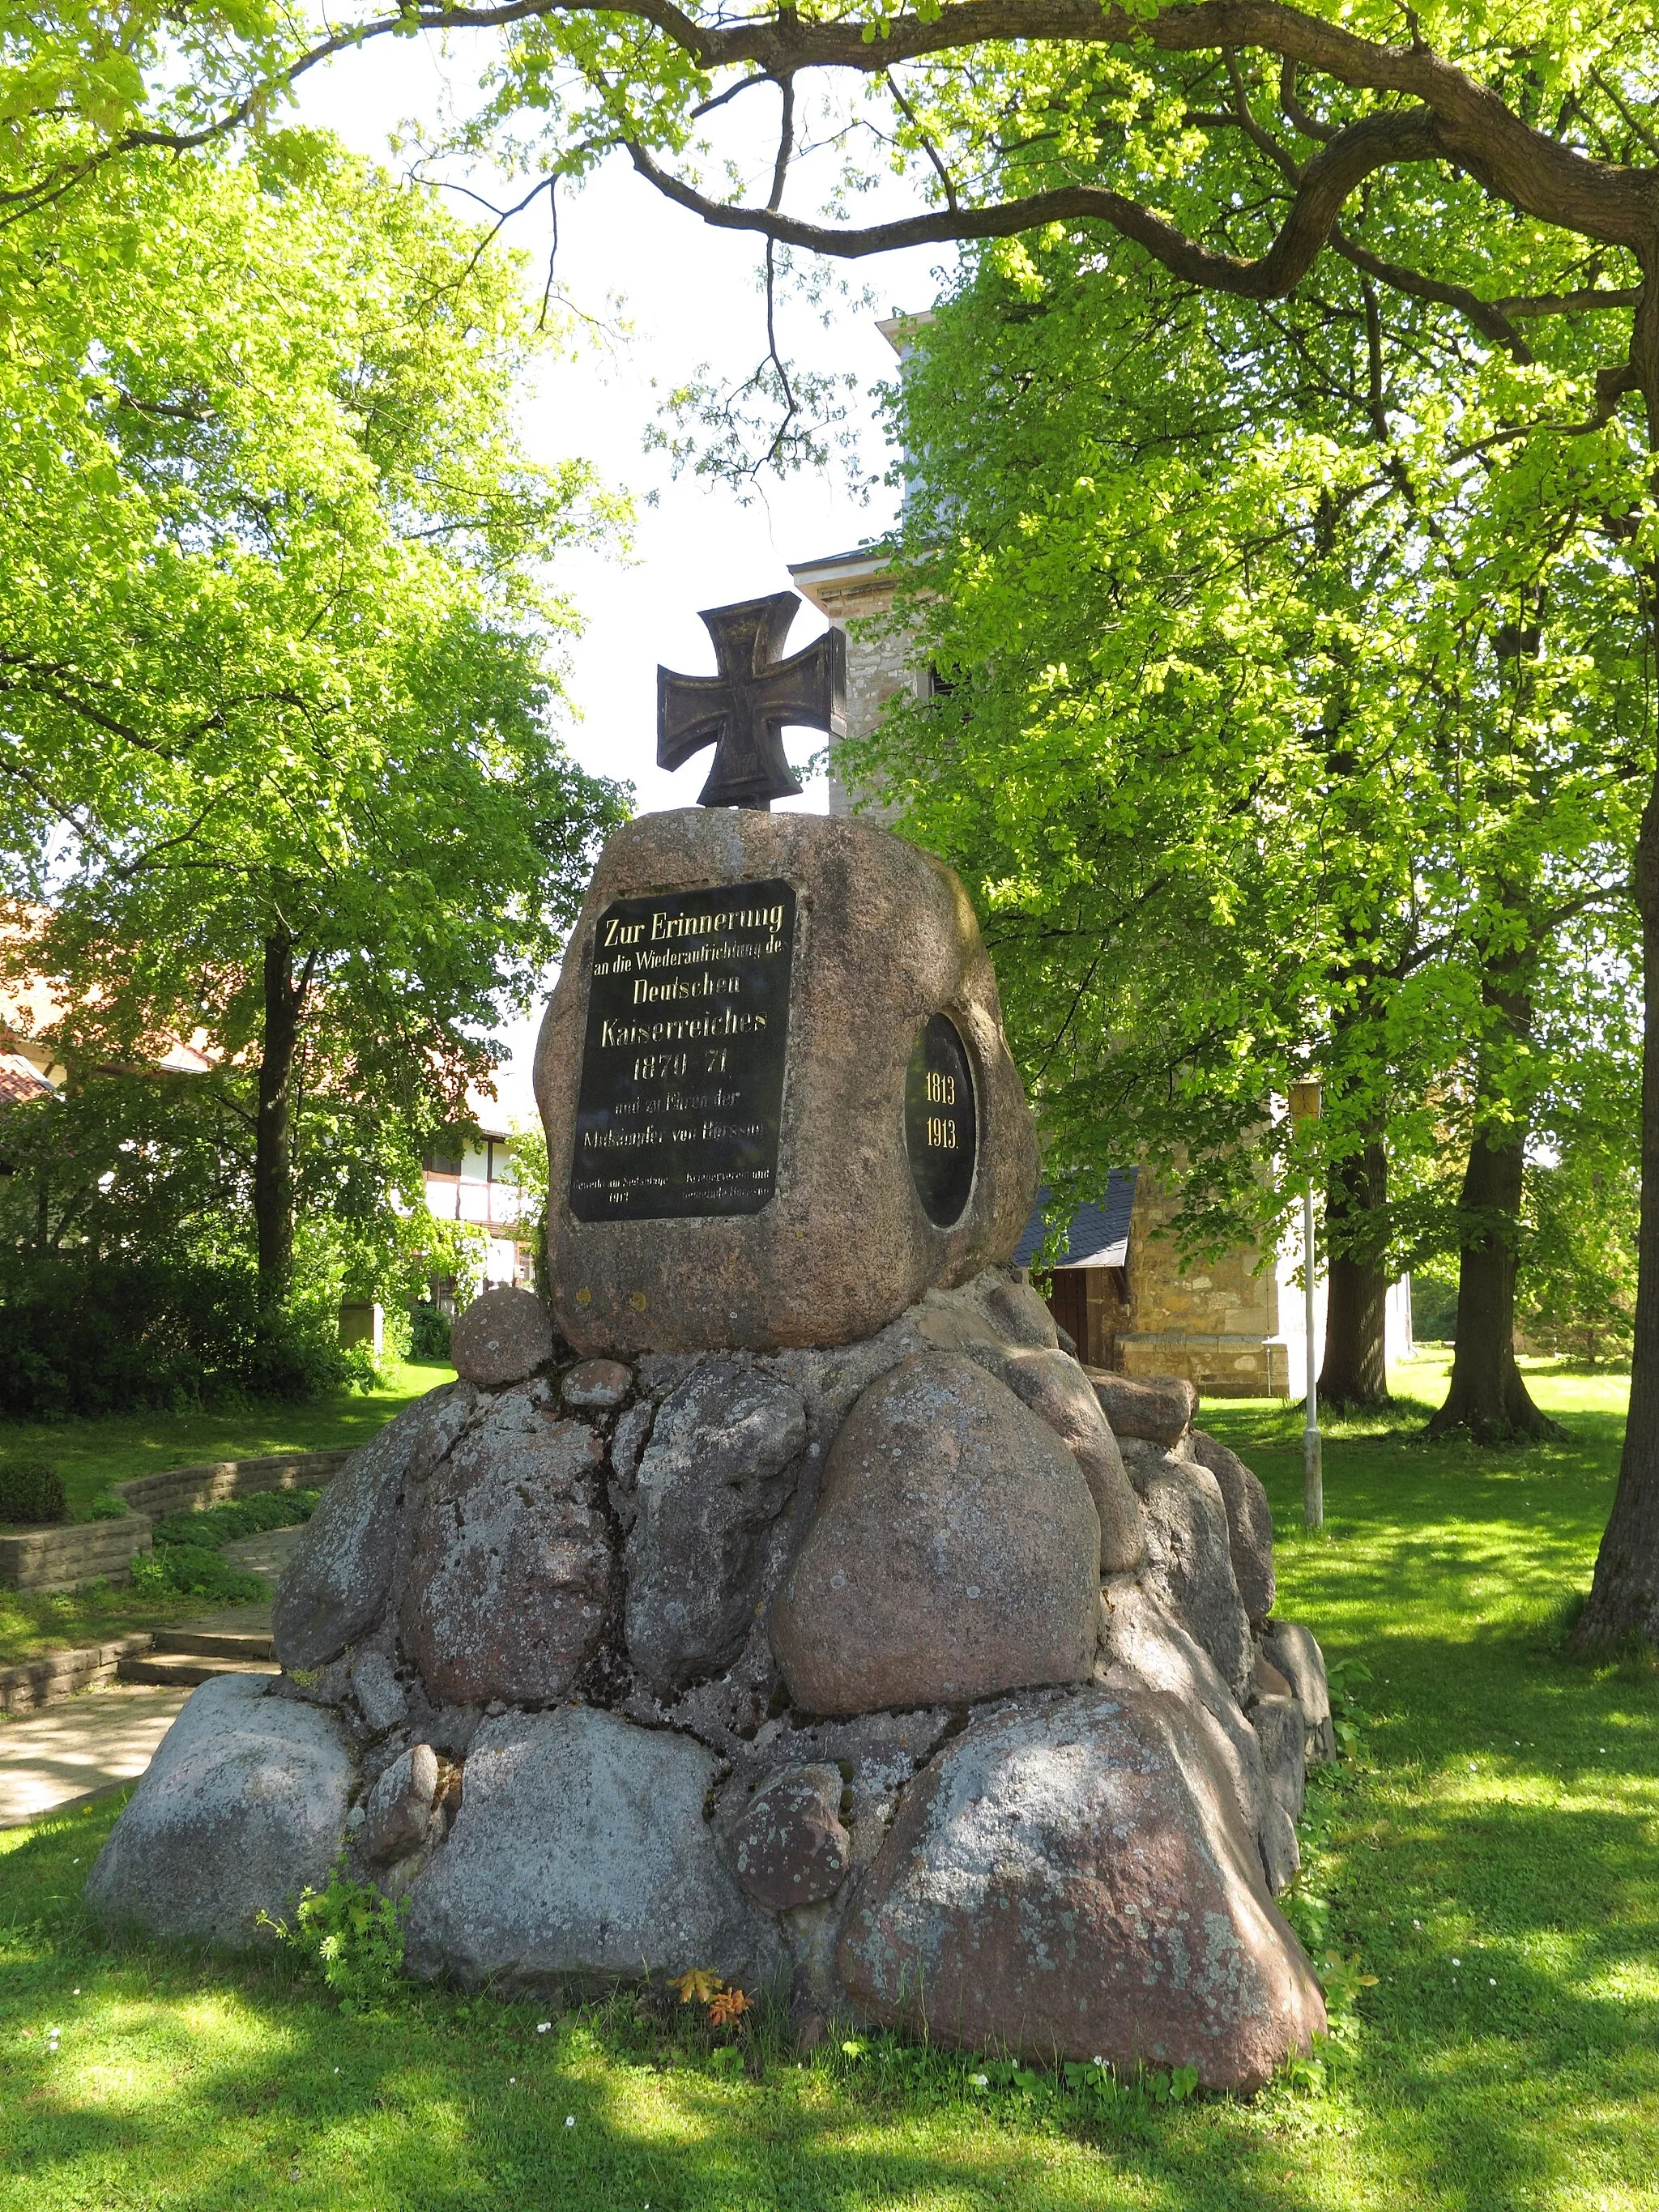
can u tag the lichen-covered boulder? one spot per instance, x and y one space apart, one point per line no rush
1141 1646
509 1569
398 1813
955 1552
1071 1876
337 1581
581 1850
502 1337
709 1488
1249 1523
789 1847
243 1806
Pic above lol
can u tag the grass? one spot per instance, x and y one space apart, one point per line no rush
1492 1860
91 1455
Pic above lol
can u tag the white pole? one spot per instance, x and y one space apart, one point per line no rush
1312 1479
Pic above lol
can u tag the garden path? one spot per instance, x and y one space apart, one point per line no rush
52 1760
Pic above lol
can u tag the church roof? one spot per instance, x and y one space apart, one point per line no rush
1097 1235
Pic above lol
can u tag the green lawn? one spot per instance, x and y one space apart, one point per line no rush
91 1455
1495 1860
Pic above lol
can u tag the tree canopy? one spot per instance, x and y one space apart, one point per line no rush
279 658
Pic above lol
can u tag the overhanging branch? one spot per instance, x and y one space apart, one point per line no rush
1379 142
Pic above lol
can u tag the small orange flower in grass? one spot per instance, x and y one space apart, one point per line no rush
700 1986
728 2007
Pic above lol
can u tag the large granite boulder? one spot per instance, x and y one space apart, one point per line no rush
1292 1650
243 1806
582 1851
955 1552
884 938
1159 1408
1071 1876
335 1585
1142 1647
707 1493
510 1571
1057 1390
1249 1523
1189 1556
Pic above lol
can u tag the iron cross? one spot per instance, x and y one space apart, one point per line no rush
744 711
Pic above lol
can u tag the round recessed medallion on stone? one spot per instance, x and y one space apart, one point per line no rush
941 1126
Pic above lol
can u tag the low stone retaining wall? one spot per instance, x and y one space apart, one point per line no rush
193 1489
57 1675
62 1558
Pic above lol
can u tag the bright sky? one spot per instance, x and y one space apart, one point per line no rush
687 296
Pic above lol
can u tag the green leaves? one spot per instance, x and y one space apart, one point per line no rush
278 656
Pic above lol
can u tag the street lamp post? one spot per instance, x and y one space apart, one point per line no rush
1305 1107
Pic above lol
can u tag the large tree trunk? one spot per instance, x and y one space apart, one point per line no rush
273 1143
1355 1369
1487 1396
1624 1598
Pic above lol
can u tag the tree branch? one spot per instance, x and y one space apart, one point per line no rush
1377 143
1488 320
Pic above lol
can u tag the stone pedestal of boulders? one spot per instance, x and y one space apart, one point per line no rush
913 1675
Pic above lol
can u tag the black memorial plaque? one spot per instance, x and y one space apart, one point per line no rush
682 1081
941 1127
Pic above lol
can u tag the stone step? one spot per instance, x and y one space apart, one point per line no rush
187 1668
220 1642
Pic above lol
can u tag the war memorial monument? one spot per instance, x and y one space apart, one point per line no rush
779 1599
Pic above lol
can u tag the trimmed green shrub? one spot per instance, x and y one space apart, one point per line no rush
190 1570
217 1525
81 1333
428 1332
31 1491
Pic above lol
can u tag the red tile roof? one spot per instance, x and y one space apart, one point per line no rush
19 1081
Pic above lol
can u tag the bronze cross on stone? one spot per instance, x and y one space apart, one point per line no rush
744 711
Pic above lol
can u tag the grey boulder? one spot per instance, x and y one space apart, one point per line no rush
381 1697
1059 1392
1072 1877
1281 1731
502 1337
1291 1649
955 1552
1249 1523
717 1472
243 1806
510 1571
581 1851
1142 1647
1159 1408
1189 1566
335 1584
398 1813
